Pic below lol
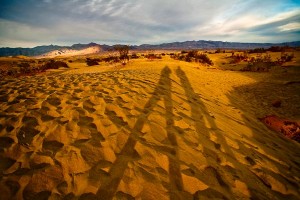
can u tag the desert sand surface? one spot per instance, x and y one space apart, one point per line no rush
160 129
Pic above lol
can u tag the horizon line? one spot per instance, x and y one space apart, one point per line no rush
61 45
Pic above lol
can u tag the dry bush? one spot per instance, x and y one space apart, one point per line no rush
285 57
31 67
54 65
123 51
259 64
237 58
134 56
111 59
92 62
193 56
152 56
220 51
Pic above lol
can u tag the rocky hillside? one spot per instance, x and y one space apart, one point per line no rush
55 50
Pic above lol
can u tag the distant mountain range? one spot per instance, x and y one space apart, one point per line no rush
204 44
55 50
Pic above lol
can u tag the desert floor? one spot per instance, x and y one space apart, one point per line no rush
161 129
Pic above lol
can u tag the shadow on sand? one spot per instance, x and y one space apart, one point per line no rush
116 172
163 92
219 178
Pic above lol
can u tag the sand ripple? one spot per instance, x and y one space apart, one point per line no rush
143 134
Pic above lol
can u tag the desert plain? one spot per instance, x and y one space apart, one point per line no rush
151 129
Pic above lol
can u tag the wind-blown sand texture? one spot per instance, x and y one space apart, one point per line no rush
166 132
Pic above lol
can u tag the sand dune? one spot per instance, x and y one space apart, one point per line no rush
165 132
71 52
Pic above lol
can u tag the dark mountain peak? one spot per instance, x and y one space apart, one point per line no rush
83 46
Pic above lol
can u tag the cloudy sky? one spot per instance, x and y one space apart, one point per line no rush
28 23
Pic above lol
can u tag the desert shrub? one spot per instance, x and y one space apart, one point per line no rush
181 57
218 50
259 64
280 49
54 65
285 57
258 50
134 56
236 58
60 64
91 62
111 59
275 49
123 51
163 54
152 56
193 56
26 68
204 59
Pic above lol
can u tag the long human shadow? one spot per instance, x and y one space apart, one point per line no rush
197 110
175 178
110 184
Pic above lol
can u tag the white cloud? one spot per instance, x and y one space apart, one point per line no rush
144 21
290 27
17 34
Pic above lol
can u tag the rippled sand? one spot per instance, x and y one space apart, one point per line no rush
168 132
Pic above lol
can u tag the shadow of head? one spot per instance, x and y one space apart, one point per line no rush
166 71
180 72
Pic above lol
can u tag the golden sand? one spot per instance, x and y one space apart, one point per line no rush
151 130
